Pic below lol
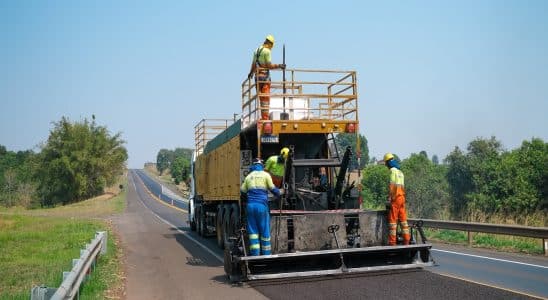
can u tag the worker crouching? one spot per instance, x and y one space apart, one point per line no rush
256 185
396 197
275 165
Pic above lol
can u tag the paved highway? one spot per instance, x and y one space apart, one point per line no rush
529 279
510 271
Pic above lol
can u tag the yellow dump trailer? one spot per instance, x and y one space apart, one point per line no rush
317 228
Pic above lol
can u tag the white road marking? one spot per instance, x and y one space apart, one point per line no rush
182 232
491 258
489 285
133 182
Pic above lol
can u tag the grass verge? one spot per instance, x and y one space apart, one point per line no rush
36 246
485 240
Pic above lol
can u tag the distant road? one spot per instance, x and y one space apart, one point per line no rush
159 191
526 274
183 261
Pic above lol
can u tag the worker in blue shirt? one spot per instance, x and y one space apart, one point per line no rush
256 185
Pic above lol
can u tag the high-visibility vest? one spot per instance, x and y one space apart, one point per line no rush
256 185
264 73
397 184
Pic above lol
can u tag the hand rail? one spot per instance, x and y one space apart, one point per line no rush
70 287
515 230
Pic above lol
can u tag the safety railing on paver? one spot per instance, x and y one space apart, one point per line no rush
304 95
70 287
469 227
206 130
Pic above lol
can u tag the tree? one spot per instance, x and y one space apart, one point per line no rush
435 159
488 181
459 179
375 186
344 140
426 187
16 177
532 157
163 160
180 169
9 188
78 161
184 152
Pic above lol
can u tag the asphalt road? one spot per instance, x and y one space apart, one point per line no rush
161 261
167 261
526 274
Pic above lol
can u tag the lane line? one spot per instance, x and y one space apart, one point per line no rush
491 258
489 285
163 187
133 182
163 202
186 234
158 199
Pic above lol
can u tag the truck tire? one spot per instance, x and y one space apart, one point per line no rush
201 224
226 224
234 219
197 217
193 225
219 221
193 222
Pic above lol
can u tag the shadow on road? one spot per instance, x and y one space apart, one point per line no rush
199 257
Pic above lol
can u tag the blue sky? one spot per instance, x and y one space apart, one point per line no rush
432 74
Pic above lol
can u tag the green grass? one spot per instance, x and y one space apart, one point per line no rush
36 246
106 273
490 241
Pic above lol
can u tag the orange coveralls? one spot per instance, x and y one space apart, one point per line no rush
397 208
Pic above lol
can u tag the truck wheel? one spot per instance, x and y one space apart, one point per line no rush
201 224
219 219
234 223
226 225
197 218
193 222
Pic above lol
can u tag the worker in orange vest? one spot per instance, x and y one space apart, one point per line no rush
262 65
396 198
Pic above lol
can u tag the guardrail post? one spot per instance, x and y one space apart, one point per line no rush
470 239
103 242
545 247
39 293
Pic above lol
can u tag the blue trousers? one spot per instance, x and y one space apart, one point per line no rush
258 228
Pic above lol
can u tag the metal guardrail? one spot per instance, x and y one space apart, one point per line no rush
70 287
469 227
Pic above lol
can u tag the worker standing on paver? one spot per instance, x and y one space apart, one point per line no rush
396 199
275 165
262 63
256 185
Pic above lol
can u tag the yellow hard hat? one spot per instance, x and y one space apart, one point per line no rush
270 38
388 156
284 152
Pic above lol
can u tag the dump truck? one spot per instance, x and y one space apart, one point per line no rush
316 229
